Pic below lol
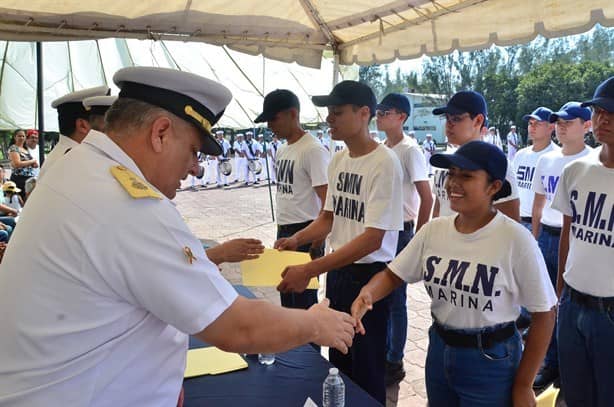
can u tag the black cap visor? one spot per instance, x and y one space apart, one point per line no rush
604 103
451 109
454 160
329 100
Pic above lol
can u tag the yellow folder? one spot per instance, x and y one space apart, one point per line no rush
211 360
265 271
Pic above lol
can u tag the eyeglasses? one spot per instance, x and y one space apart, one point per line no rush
384 113
456 118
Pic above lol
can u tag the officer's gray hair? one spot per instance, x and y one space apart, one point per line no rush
127 113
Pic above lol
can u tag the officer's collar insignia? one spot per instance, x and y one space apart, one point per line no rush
135 186
189 255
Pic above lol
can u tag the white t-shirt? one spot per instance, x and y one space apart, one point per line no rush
439 181
524 166
547 173
301 166
366 192
339 145
34 152
99 316
586 194
414 169
12 201
512 138
479 279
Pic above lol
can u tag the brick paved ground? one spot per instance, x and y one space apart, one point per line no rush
223 214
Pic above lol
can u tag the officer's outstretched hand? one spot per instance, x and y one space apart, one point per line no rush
334 329
295 279
360 306
235 250
286 243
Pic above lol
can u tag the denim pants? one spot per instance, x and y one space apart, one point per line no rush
365 362
586 353
549 246
397 323
471 377
308 297
9 222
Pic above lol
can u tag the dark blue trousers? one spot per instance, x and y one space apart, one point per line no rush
365 362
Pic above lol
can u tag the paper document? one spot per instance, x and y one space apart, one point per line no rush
265 271
212 361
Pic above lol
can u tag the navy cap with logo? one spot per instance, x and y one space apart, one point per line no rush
275 102
197 100
465 101
348 93
571 111
604 96
478 155
395 101
541 114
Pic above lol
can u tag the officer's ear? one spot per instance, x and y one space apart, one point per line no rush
160 133
82 126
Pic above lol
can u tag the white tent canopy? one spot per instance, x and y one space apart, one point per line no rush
359 31
74 65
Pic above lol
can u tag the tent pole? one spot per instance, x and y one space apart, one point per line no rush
266 155
331 142
39 102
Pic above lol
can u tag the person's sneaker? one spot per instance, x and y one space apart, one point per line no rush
256 182
394 372
545 376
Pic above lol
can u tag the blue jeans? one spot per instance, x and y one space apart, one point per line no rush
549 246
397 323
586 352
471 377
9 222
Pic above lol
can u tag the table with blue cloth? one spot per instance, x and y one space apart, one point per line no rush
295 375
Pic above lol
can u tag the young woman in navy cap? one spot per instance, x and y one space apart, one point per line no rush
487 267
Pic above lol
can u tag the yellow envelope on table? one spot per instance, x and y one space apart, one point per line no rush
265 271
211 360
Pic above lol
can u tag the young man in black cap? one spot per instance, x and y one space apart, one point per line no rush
363 214
302 166
585 284
391 113
101 315
73 123
466 113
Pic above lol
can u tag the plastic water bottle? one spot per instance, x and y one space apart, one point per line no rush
266 358
333 390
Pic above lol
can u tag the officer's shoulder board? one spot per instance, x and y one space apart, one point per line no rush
133 184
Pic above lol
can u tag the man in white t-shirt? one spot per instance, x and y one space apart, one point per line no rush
363 214
540 131
492 137
32 145
429 148
100 316
585 284
391 113
302 166
466 113
513 143
571 124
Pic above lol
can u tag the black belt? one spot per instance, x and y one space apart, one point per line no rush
408 226
486 339
552 230
526 219
597 303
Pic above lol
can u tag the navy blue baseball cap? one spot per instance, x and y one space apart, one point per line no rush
348 93
604 96
275 102
571 111
478 155
465 101
541 114
395 101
